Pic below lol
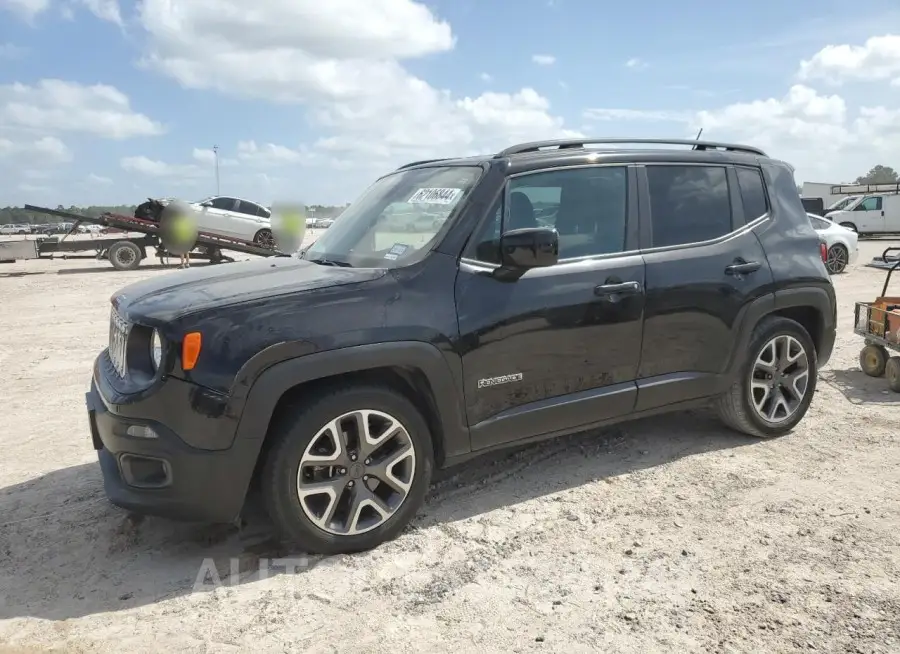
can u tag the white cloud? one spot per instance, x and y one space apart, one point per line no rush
486 77
815 132
543 59
208 157
204 155
342 60
57 105
11 51
26 9
154 168
105 10
878 59
99 179
267 154
47 150
636 63
651 115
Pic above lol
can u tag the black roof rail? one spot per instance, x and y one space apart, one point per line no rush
566 144
423 161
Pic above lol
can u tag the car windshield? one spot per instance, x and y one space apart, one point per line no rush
396 220
842 204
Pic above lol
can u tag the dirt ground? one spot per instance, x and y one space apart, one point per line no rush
665 535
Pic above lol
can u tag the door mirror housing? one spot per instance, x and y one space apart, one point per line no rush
208 203
532 247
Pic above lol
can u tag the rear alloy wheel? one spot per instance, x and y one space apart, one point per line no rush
348 471
265 238
780 379
837 259
776 385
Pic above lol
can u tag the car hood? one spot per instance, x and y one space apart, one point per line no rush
173 295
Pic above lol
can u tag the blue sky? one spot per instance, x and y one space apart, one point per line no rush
107 102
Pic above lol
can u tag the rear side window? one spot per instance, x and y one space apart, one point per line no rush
753 193
688 204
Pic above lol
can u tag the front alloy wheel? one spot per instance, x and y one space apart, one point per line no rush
356 472
779 379
347 467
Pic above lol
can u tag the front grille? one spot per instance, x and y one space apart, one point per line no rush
118 341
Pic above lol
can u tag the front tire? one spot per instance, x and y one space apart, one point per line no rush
776 384
347 470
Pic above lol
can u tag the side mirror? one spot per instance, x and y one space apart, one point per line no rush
532 247
206 204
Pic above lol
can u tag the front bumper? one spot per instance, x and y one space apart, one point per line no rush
164 475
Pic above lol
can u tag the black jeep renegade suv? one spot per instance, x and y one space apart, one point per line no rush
459 306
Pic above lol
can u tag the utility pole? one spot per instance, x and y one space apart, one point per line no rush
216 154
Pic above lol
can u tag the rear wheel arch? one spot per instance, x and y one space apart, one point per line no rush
810 307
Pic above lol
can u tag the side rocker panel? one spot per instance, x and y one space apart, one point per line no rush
428 359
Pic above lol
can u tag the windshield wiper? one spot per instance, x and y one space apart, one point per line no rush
331 262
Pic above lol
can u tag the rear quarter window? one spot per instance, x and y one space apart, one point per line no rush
753 193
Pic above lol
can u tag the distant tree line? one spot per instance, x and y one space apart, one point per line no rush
879 175
20 216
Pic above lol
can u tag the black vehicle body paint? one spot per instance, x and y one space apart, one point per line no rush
589 341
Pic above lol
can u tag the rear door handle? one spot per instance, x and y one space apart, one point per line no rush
743 267
613 292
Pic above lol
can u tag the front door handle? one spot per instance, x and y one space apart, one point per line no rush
741 267
613 292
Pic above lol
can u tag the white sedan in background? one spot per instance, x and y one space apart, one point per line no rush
842 243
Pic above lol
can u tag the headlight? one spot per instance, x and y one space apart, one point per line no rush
155 350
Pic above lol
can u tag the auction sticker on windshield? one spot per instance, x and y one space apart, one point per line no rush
435 196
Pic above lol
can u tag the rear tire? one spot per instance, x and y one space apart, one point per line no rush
873 360
892 372
294 493
125 255
837 259
767 405
265 238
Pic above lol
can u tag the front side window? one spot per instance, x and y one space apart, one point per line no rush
688 204
226 204
586 206
397 220
869 204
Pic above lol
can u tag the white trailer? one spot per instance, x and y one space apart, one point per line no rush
832 201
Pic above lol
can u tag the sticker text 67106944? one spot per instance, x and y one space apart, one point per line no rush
435 196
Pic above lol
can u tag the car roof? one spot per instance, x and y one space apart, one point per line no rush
566 152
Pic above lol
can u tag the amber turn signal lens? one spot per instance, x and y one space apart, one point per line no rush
190 350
